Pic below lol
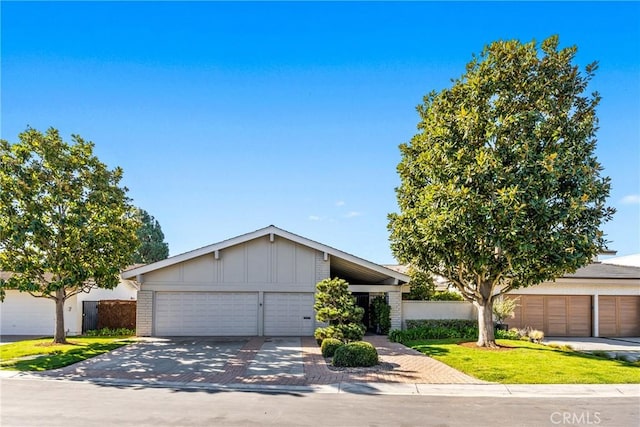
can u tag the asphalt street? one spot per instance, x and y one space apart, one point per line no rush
67 403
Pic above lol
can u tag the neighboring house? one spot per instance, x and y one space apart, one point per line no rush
599 300
23 314
258 284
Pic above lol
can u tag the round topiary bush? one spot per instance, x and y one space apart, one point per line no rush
329 346
354 354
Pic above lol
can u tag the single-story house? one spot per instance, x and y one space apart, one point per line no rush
23 314
258 284
263 283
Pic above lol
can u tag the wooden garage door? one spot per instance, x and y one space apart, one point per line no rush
619 316
288 314
206 314
556 315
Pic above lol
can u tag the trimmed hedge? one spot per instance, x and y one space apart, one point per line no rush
329 346
356 354
435 329
458 324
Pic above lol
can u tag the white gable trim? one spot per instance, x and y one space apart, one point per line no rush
270 230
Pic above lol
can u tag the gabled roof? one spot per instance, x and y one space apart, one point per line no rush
344 265
628 260
598 270
595 270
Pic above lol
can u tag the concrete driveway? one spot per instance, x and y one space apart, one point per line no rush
255 360
628 348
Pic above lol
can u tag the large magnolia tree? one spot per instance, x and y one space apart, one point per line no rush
66 226
500 188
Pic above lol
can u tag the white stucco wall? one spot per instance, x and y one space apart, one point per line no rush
23 314
416 310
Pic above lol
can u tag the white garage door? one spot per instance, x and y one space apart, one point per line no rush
22 314
206 314
288 314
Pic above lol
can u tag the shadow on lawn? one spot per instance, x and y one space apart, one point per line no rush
59 359
436 348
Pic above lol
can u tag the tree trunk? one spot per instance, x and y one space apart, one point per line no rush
60 335
486 333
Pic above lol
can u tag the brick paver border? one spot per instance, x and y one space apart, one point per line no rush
408 366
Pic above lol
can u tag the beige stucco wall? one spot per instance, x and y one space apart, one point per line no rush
260 265
257 265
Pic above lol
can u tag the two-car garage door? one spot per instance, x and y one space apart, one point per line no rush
232 314
571 315
556 315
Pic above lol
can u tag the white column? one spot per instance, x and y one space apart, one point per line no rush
395 302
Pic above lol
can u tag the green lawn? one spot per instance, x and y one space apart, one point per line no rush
528 363
42 355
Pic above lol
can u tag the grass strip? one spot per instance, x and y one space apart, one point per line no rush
43 355
520 362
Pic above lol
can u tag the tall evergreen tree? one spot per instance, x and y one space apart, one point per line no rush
152 245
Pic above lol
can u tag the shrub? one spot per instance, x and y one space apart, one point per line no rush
354 354
395 335
345 333
507 335
435 329
536 335
329 346
504 307
381 315
107 332
447 323
446 296
335 304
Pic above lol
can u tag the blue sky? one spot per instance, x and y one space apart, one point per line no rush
228 117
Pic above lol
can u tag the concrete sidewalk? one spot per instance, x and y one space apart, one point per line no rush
453 390
293 365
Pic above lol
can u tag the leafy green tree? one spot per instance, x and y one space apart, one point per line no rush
152 245
500 189
421 285
66 226
335 304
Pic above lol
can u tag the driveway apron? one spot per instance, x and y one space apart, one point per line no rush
256 360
